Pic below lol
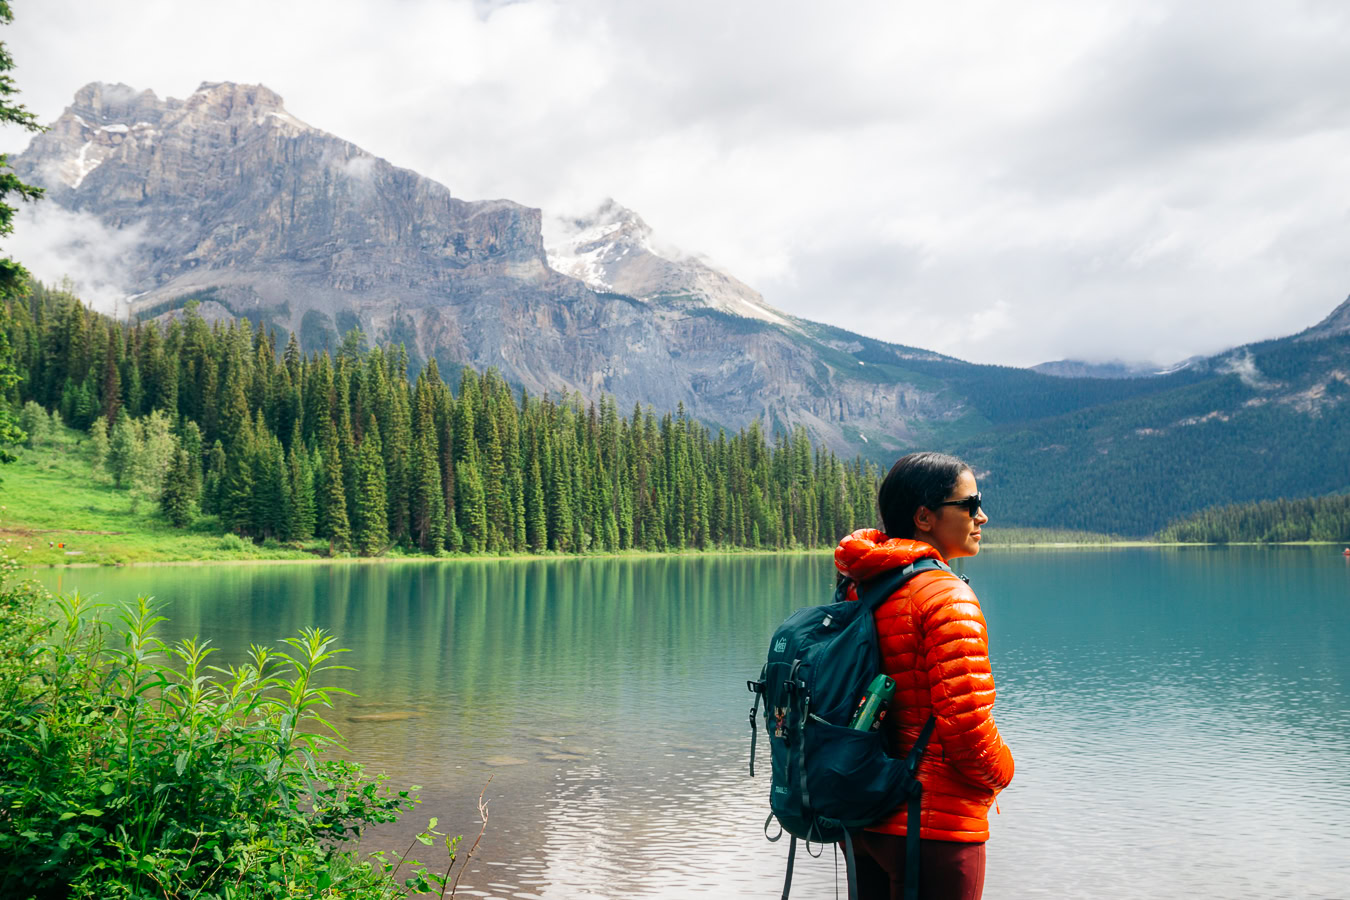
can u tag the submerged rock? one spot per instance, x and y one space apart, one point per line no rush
392 716
503 761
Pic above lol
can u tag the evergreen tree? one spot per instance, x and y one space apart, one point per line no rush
271 500
536 515
190 439
13 277
472 506
300 475
235 500
213 481
334 524
426 499
176 499
372 520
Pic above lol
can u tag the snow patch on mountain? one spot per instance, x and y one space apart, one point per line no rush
613 250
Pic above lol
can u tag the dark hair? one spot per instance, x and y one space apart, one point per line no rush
919 479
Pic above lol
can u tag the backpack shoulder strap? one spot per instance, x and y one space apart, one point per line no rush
874 591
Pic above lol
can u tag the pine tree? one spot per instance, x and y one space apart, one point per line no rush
372 520
300 523
235 501
426 501
536 515
190 439
176 499
495 489
271 495
112 377
335 524
214 480
472 506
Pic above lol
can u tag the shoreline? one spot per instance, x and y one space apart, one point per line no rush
633 554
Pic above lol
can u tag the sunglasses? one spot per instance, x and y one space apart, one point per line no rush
972 504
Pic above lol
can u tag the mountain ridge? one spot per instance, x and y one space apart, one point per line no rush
275 220
260 215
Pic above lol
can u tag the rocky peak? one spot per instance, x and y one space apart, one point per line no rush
101 103
1338 322
115 121
228 101
612 249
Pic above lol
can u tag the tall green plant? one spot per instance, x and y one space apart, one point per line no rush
134 768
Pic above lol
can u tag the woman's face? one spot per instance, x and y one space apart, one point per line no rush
952 529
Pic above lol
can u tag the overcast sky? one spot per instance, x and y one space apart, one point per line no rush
1005 182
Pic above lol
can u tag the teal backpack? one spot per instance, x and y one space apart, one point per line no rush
830 780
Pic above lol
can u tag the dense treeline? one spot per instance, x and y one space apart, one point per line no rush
1269 521
344 447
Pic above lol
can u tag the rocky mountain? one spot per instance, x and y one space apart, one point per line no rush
1336 323
613 250
243 206
238 204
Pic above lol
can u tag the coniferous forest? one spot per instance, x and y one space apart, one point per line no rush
225 420
1268 521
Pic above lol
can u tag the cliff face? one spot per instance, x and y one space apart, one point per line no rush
244 205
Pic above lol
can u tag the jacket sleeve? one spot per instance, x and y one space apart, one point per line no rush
956 655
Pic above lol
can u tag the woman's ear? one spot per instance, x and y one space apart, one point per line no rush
924 520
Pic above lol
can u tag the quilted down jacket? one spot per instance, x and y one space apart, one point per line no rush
934 645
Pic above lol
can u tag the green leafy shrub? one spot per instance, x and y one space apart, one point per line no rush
232 541
132 768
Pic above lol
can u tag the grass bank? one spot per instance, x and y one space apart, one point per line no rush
53 512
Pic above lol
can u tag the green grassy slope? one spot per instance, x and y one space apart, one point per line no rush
48 497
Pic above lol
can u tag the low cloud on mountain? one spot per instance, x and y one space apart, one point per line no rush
1002 182
62 246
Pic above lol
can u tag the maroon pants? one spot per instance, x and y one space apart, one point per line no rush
948 870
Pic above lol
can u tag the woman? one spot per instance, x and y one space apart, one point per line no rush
934 645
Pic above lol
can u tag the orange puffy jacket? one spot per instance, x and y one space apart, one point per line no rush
934 644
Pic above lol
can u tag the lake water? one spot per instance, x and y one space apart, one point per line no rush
1180 718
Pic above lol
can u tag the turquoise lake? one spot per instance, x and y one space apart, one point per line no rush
1180 718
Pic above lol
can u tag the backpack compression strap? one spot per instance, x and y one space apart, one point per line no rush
756 688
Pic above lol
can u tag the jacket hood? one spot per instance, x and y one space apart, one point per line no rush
868 551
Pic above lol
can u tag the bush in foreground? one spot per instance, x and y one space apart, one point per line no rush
131 768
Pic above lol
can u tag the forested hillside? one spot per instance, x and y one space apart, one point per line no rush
280 444
1271 521
1259 423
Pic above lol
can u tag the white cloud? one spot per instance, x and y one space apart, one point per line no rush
56 244
1143 181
